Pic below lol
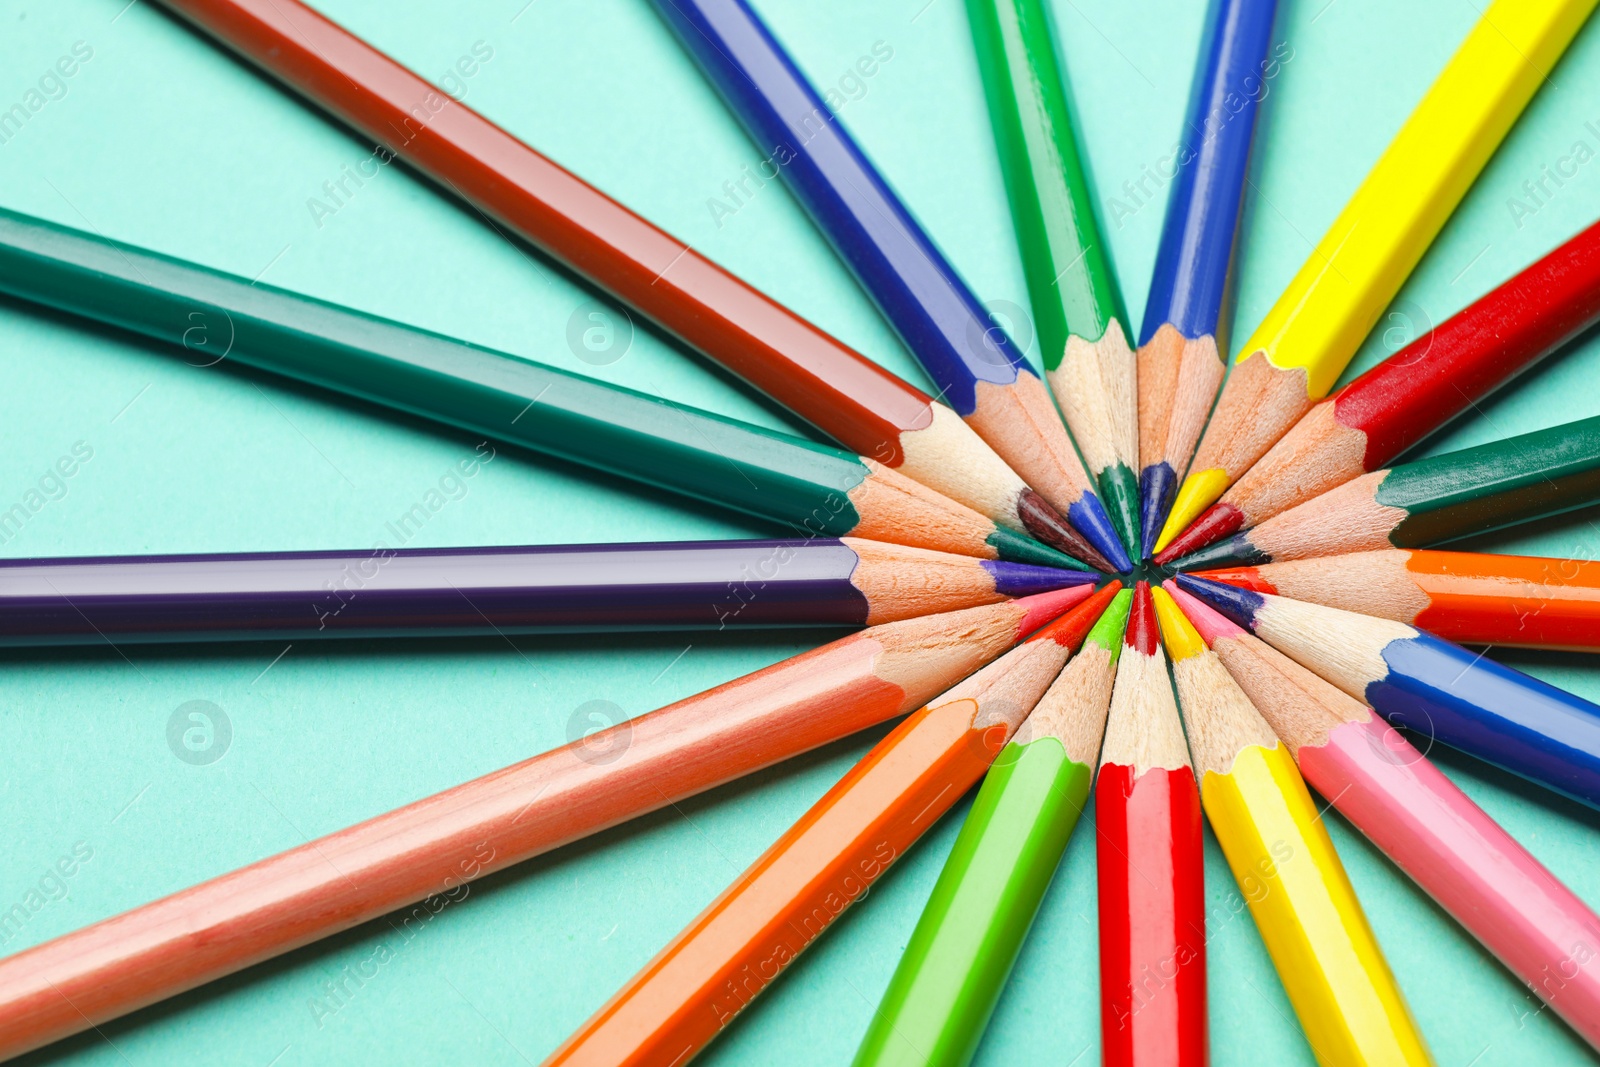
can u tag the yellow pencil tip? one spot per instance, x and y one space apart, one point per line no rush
1177 632
1199 491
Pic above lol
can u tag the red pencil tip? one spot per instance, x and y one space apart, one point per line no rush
1214 523
1070 630
1142 634
1240 577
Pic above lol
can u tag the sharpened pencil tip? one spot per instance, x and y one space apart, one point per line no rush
1088 516
1157 483
1199 490
1237 605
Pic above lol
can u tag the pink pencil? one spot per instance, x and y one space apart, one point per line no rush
1447 844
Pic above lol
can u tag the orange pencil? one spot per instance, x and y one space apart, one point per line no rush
430 847
1470 598
826 861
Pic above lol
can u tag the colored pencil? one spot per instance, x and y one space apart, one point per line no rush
976 366
1151 868
819 378
1312 332
1278 849
963 948
826 861
415 592
214 317
1077 307
1470 598
1185 333
1417 817
1431 686
1398 403
1429 501
432 846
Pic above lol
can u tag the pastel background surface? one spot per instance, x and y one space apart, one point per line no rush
163 140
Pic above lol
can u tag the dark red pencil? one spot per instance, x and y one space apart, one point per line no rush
1152 883
822 380
1414 392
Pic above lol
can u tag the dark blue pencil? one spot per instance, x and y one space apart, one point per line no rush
1183 344
977 367
1433 687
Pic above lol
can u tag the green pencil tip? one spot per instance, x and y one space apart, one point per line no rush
1107 632
1119 491
1018 548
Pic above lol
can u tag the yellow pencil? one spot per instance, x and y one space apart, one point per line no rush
1299 895
1312 332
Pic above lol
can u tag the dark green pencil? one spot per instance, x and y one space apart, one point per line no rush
813 489
1083 333
1430 501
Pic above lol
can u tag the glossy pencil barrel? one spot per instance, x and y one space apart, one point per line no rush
430 592
217 318
824 381
940 320
1320 942
957 961
1467 862
825 862
1152 917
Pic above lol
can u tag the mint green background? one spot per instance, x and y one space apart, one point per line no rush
163 140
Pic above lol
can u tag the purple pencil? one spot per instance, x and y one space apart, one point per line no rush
467 591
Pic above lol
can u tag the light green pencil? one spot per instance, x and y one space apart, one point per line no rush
949 980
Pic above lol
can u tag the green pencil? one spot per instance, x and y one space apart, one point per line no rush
962 950
1429 501
1082 327
813 489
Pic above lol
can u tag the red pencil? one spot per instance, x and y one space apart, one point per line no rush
822 380
1151 870
1414 392
433 846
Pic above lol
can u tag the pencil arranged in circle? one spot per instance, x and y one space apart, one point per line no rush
435 592
1278 848
1394 795
819 378
1435 688
216 318
977 368
1398 403
963 948
1470 598
1429 501
1184 338
434 845
1310 335
1151 867
1077 307
826 861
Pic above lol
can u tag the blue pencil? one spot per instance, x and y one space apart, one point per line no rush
1184 341
976 366
1437 689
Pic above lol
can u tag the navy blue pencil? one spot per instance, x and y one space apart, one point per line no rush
976 366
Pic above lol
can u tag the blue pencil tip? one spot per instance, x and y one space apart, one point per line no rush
1157 483
1237 604
1025 579
1088 516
